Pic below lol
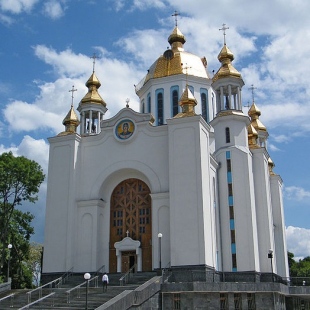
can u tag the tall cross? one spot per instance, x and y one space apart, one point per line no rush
252 90
224 28
127 233
186 70
72 94
176 14
94 57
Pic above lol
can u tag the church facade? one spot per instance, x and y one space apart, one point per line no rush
186 181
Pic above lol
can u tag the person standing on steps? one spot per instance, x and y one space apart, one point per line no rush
105 282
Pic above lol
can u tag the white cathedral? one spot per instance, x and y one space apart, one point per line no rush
185 182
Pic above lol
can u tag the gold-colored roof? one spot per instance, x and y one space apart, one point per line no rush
176 39
271 166
252 137
187 103
254 114
176 61
227 69
93 96
71 122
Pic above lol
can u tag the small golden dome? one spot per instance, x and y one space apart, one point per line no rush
227 69
71 122
187 103
176 39
254 114
271 166
93 96
252 137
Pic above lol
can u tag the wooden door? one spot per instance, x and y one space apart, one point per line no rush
131 211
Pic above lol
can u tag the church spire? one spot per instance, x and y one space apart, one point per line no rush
227 81
92 107
176 38
71 121
187 103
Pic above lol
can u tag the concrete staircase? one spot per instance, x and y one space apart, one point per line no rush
59 300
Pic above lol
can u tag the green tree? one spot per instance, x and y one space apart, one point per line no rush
20 180
34 261
299 269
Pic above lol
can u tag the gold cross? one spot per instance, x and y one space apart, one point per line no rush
186 70
224 28
252 90
176 14
72 91
94 57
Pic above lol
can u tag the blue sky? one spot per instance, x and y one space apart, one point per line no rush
46 48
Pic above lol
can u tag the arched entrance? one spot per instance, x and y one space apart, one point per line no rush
131 216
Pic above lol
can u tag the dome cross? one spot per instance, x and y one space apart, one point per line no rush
176 14
72 94
252 90
224 28
94 57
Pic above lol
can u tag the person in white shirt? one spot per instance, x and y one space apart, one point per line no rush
105 282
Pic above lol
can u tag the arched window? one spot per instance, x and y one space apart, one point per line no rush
204 107
227 134
149 103
160 108
175 102
142 106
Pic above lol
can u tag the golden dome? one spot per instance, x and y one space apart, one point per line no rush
71 122
271 166
176 39
252 137
93 96
187 103
254 114
176 61
227 69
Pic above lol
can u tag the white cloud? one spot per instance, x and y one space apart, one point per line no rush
53 9
31 148
296 193
6 20
17 6
298 241
146 4
52 104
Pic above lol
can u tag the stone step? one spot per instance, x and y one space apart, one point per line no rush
96 296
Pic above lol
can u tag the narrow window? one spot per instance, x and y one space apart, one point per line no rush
204 108
228 165
149 103
175 102
223 301
233 236
160 108
231 212
227 133
251 301
234 261
176 301
238 301
142 106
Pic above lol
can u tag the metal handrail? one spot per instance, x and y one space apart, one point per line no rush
56 283
66 275
127 275
6 297
78 288
102 268
38 300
